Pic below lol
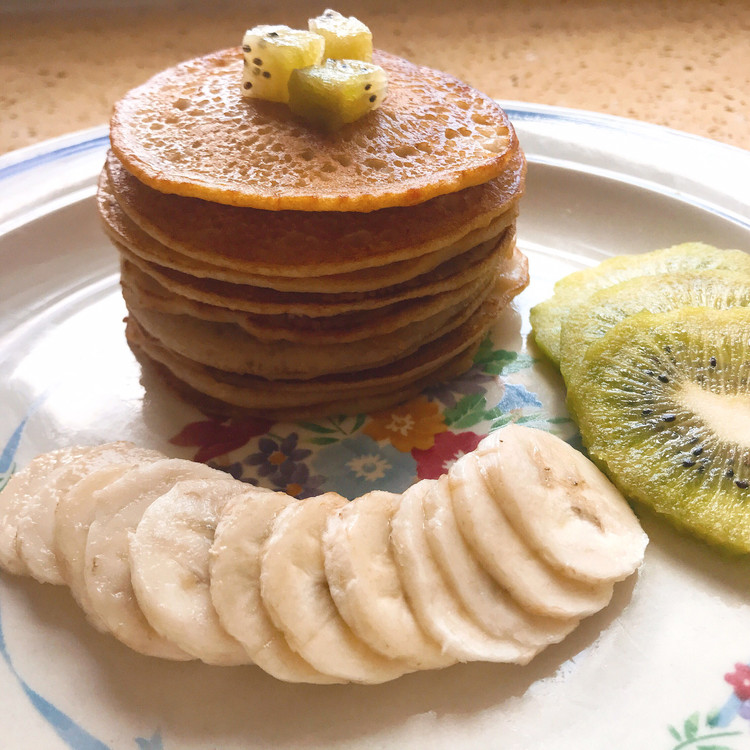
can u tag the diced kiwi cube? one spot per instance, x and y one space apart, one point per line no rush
336 92
271 54
346 38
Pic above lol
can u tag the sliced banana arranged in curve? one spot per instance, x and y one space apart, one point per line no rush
363 576
497 559
234 569
169 568
489 603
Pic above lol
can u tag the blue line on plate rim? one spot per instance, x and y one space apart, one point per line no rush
519 111
72 149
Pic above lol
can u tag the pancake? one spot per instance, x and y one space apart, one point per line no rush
228 347
478 262
296 245
264 398
363 404
350 392
141 290
189 131
123 229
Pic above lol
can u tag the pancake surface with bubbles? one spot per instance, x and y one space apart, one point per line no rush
189 131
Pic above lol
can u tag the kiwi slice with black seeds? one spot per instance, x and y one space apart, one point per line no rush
660 293
663 405
547 317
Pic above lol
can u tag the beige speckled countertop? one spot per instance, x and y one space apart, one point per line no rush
680 63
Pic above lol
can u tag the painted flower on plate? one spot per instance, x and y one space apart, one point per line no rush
413 424
358 464
281 462
216 437
448 448
516 397
740 681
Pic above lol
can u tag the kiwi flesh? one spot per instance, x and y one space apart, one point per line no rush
662 401
336 92
571 291
660 293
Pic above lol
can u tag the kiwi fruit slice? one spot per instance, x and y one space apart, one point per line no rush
663 405
345 38
336 92
571 291
660 293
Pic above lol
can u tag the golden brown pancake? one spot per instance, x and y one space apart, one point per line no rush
123 230
189 131
339 392
298 245
141 290
265 398
478 262
228 347
362 404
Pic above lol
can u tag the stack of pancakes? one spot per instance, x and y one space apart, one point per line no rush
274 269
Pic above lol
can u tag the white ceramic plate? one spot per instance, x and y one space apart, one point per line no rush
661 667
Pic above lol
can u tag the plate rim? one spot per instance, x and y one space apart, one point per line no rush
715 174
518 110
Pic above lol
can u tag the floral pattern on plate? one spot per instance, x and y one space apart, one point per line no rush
386 450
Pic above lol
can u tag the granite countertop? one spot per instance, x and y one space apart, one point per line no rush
680 63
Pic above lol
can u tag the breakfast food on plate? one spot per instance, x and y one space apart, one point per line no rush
658 293
345 38
336 92
336 249
271 55
662 401
181 561
548 316
656 368
27 513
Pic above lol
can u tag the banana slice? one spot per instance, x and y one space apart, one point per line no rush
435 604
490 604
36 526
234 567
503 553
74 514
169 554
295 591
365 584
120 506
21 489
562 505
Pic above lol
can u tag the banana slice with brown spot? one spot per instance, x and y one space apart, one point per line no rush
234 566
36 525
119 507
508 558
436 604
22 489
74 515
562 505
488 602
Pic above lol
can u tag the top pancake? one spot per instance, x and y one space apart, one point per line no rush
305 244
189 131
